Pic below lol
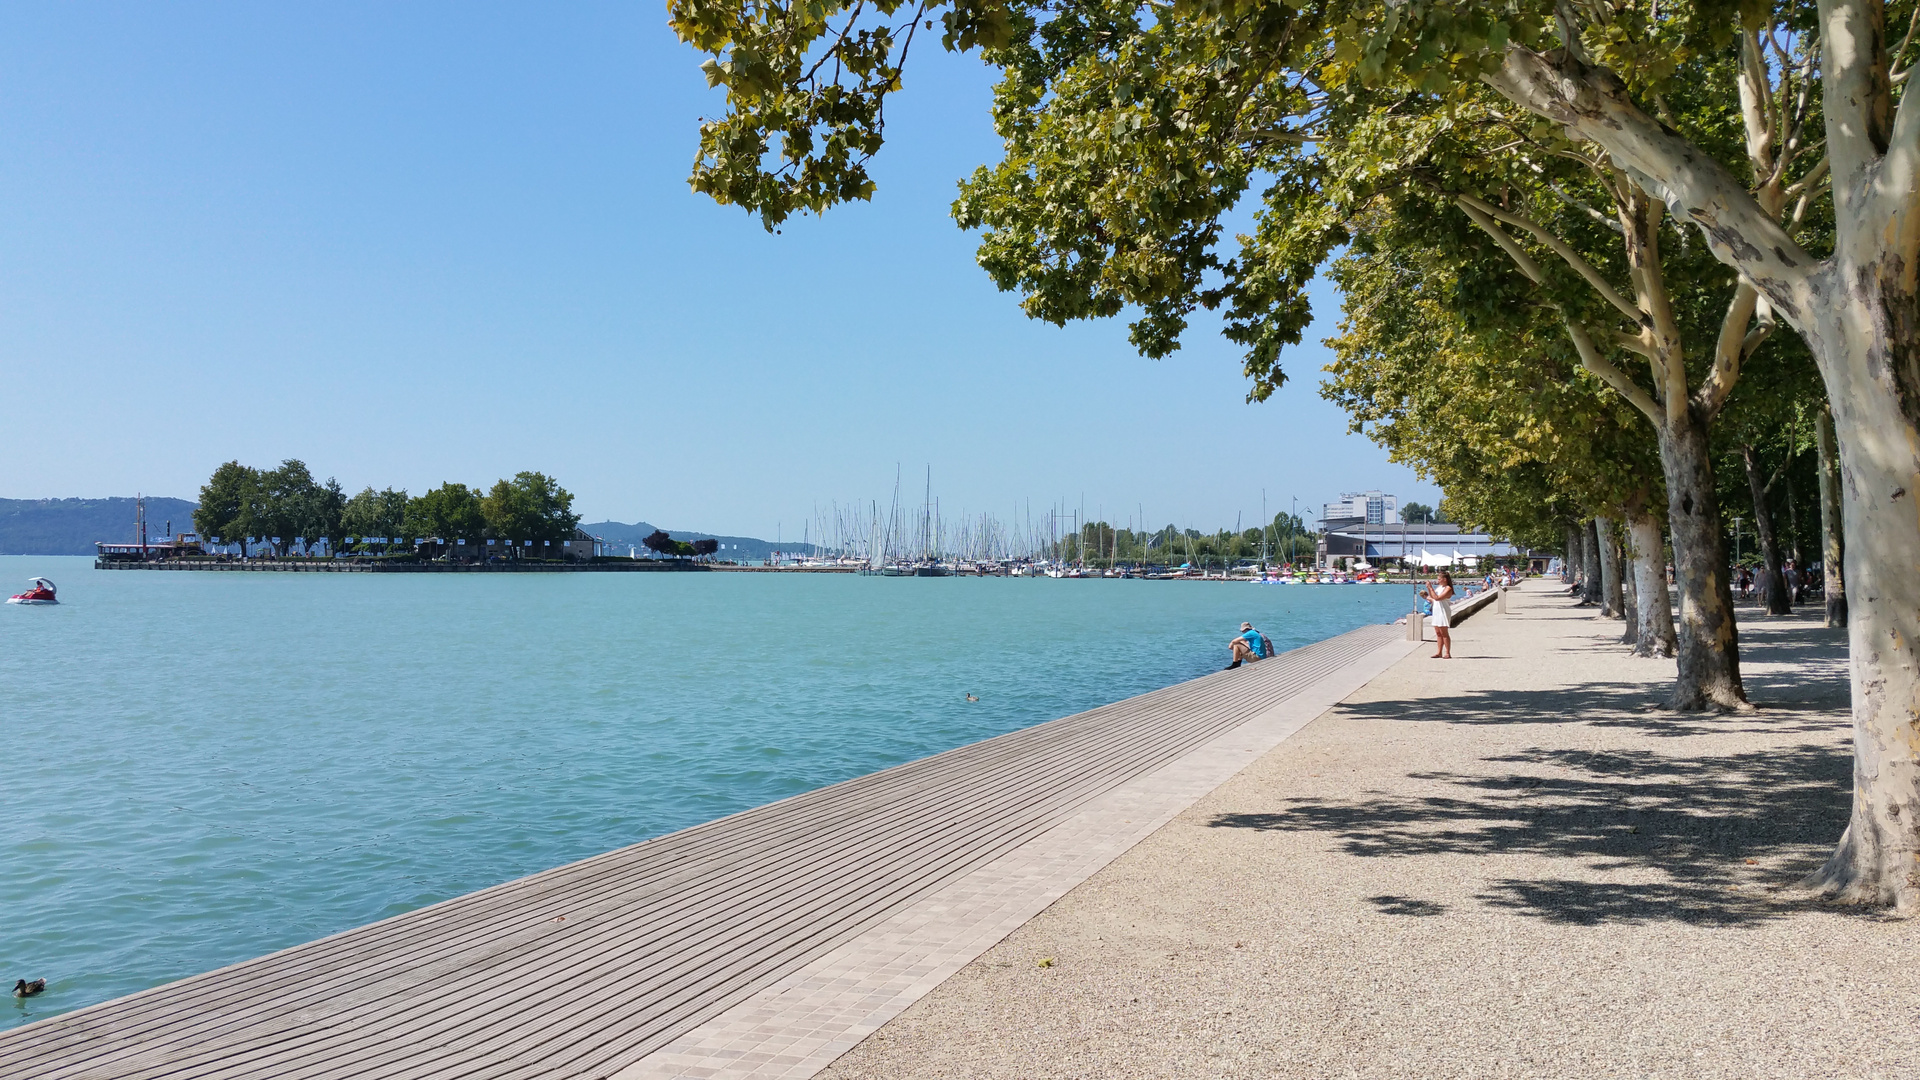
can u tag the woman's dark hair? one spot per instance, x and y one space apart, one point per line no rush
1446 577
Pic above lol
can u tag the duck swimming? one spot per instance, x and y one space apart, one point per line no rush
970 696
24 989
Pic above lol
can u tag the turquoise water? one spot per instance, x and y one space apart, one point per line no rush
201 768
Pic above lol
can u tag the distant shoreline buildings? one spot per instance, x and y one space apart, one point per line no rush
1372 507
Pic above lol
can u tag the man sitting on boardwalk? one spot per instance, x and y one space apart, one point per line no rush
1249 646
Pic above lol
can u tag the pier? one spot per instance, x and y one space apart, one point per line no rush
761 944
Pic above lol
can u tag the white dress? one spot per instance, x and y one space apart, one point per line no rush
1443 611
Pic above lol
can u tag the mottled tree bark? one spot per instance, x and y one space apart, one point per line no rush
1833 545
1709 642
1612 605
1790 499
1655 636
1590 591
1629 633
1869 344
1773 583
1859 311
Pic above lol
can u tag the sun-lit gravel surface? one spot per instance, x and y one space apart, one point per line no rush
1509 865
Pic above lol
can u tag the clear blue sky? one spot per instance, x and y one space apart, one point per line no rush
419 242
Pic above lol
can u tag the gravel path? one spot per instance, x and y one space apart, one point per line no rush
1508 865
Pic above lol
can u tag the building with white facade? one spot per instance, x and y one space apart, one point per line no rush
1372 507
1357 543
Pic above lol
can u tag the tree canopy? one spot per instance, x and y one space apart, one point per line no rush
241 504
1663 184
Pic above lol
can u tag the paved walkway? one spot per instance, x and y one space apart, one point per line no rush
762 944
1510 865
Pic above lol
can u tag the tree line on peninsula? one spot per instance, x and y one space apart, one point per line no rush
286 506
1616 275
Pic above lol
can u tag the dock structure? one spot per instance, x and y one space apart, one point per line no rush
762 944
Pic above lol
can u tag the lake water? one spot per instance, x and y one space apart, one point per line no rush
200 768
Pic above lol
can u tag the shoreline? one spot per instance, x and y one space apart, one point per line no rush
348 566
771 880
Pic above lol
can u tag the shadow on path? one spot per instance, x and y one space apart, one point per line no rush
1725 831
1609 705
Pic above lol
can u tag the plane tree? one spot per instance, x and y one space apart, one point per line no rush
1519 436
1768 432
1131 131
1131 128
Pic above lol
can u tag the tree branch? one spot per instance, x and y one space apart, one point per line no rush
1601 367
1858 99
1896 185
1633 343
1735 344
1590 357
1571 257
1593 105
1507 243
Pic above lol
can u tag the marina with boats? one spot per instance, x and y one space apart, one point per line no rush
898 541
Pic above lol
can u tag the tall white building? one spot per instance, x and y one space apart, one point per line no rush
1373 507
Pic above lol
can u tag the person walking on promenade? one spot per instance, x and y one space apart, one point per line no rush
1441 593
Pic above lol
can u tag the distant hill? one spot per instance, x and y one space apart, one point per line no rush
71 526
732 547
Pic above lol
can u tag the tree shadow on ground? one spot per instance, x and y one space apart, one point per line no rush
1634 706
1725 832
1793 668
1407 905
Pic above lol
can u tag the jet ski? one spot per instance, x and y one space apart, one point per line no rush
41 593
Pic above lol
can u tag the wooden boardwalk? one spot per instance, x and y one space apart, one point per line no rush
586 969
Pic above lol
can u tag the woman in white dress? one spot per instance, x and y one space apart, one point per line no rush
1441 593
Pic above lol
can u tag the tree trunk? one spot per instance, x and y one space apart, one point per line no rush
1630 633
1773 584
1832 547
1655 636
1708 646
1590 591
1869 348
1570 565
1611 604
1794 555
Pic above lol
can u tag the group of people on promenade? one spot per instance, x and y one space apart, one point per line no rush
1799 582
1250 644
